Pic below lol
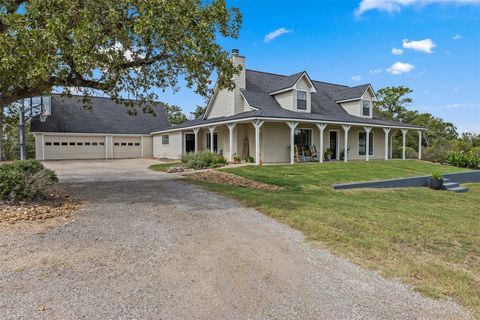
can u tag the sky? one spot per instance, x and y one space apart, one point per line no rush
430 46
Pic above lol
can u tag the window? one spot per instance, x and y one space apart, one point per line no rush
137 144
366 108
303 140
362 143
214 141
48 143
79 143
165 139
72 143
130 144
123 143
94 143
101 143
87 143
301 100
64 143
116 144
56 143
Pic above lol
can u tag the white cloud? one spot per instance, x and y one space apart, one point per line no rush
455 106
397 51
275 34
397 5
357 78
425 45
400 67
376 71
457 37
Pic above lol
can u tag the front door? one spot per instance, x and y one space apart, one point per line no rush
189 142
333 144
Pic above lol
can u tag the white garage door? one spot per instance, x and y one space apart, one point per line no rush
127 147
74 147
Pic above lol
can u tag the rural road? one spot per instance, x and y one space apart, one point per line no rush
147 246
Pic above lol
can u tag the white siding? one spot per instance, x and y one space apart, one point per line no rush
352 107
285 99
276 141
172 150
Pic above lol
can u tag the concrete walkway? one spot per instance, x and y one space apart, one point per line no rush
147 246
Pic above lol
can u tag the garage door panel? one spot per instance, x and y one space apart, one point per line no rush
74 147
127 147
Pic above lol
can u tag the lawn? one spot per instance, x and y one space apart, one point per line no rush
163 166
429 239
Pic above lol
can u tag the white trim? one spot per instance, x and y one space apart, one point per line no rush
245 120
304 74
91 134
141 146
210 102
370 112
306 101
248 104
360 97
206 140
373 144
43 146
106 147
338 142
346 129
185 140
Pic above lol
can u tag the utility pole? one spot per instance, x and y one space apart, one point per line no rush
21 127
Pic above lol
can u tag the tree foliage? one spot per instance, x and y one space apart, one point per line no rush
123 48
198 112
392 102
174 114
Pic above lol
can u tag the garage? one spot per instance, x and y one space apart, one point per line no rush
106 131
127 147
74 147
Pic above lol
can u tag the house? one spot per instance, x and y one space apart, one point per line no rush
268 113
262 118
106 131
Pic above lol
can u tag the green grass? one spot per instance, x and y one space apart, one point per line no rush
429 239
163 166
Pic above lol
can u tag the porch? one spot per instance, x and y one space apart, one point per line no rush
269 141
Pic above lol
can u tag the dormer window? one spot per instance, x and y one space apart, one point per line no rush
301 100
366 108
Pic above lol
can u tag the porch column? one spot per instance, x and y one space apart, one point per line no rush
292 126
345 131
231 127
404 134
257 124
195 131
367 146
321 127
419 145
387 131
211 129
43 146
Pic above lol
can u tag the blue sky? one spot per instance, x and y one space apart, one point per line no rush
350 42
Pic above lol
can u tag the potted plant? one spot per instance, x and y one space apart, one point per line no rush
327 155
436 181
236 158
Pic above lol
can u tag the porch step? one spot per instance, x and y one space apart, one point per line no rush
457 189
448 185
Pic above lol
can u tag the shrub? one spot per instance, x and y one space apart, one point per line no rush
438 152
203 160
436 175
24 180
411 153
250 159
463 159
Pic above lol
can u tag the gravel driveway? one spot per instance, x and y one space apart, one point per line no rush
147 246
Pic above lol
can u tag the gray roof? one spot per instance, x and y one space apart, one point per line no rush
324 106
69 116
